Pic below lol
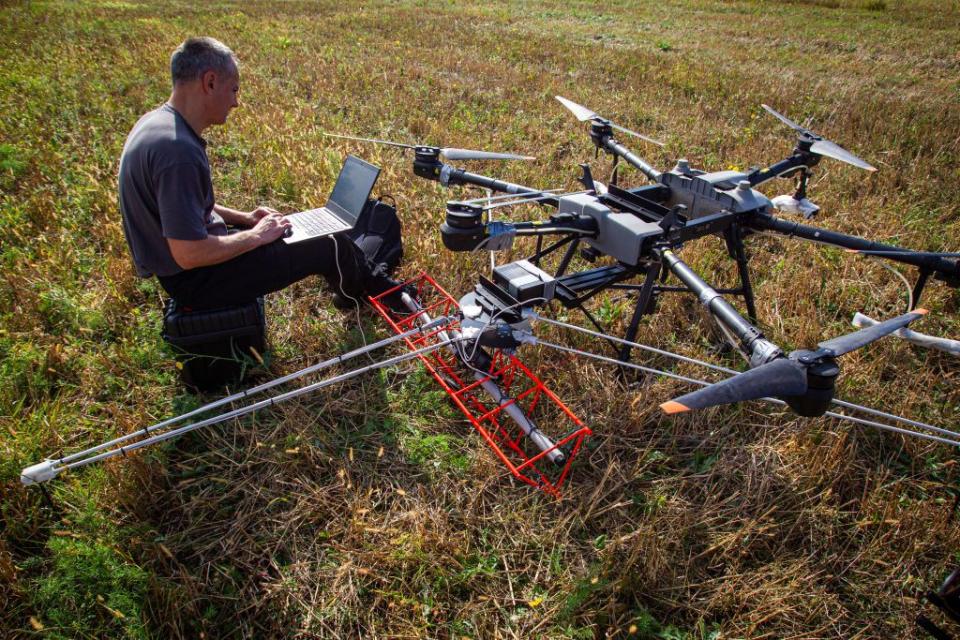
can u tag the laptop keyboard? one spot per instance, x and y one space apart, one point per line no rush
317 222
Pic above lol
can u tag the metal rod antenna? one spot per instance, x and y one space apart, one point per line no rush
525 200
677 356
255 390
703 383
893 416
535 192
887 427
637 345
269 402
631 365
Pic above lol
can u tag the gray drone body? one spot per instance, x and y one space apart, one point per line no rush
627 238
704 194
622 236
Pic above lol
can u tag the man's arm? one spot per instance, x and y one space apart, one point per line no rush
190 254
243 218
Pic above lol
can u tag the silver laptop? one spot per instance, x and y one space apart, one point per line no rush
341 212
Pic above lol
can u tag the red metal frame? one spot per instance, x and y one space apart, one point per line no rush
516 381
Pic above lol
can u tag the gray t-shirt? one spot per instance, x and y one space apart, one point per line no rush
165 190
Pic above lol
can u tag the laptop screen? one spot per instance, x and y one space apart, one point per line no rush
353 187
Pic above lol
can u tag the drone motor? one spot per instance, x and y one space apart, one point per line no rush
463 229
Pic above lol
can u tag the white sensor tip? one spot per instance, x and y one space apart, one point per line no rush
40 472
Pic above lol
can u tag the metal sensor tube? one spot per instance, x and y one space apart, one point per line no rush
529 428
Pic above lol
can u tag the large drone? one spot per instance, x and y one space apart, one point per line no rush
469 345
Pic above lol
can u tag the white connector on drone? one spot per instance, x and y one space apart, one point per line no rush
525 337
40 472
789 204
471 311
470 332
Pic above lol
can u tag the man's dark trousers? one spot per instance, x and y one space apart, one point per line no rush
272 267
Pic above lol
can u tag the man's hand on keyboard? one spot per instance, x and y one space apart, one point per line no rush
261 212
270 227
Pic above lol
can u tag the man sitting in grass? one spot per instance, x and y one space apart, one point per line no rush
175 228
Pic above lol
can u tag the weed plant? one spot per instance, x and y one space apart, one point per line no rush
372 510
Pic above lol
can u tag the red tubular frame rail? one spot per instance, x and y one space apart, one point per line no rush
518 385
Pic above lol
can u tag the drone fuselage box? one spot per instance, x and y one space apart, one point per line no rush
622 236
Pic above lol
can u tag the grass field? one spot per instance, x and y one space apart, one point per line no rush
372 510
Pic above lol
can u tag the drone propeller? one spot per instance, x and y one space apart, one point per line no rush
820 145
841 345
779 377
450 153
583 114
785 377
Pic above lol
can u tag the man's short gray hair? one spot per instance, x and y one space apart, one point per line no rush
196 56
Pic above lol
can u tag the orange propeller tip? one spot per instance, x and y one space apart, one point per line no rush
852 250
673 407
921 311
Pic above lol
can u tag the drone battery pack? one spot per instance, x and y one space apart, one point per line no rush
524 281
215 347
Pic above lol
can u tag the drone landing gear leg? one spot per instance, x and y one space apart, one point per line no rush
602 329
918 288
643 306
567 257
734 238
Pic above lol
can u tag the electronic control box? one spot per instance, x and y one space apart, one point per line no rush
525 281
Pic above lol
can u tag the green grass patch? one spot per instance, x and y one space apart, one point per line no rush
90 589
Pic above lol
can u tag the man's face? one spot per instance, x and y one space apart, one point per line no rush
224 95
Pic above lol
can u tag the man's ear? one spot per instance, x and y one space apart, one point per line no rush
208 80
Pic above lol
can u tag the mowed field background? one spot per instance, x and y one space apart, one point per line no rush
371 509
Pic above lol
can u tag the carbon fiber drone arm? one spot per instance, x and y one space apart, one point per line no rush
946 269
602 135
465 229
804 379
426 164
783 169
754 344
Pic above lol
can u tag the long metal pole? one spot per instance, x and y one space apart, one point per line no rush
709 365
241 395
50 468
703 383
